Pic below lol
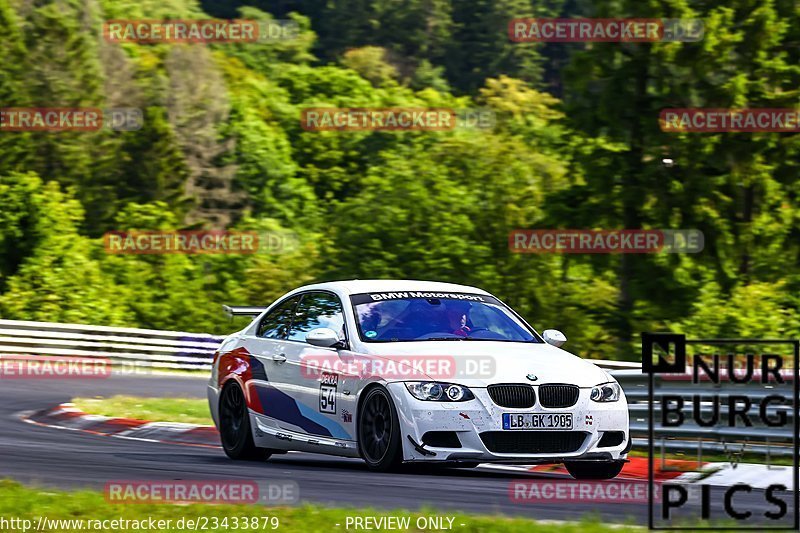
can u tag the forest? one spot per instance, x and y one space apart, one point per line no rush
575 144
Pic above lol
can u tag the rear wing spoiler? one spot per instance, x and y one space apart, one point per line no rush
242 310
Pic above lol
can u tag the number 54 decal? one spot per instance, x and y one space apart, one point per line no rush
327 392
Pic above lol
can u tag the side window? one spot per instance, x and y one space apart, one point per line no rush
317 310
276 323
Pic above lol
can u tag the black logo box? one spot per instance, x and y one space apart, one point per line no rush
675 344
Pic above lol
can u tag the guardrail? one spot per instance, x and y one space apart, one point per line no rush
692 437
148 348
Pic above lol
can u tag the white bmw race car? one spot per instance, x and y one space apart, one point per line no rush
412 371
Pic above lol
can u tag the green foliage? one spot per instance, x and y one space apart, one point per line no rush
757 311
371 64
61 279
222 147
732 186
268 55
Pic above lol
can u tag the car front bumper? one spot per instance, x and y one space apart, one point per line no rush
478 425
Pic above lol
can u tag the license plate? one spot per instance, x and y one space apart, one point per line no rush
537 421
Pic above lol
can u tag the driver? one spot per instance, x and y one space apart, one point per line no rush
457 318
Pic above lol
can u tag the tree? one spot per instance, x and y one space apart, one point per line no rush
60 280
722 184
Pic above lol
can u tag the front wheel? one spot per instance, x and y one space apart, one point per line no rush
234 426
595 470
379 431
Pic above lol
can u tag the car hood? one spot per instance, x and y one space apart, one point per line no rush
482 363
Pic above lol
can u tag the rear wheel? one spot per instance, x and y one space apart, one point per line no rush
234 426
379 431
595 470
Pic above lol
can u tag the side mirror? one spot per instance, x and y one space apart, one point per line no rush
324 337
554 337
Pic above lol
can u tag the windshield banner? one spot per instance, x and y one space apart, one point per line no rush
358 299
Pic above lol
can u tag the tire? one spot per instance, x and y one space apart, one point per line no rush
379 439
234 426
595 470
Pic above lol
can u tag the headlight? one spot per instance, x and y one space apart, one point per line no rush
438 392
607 392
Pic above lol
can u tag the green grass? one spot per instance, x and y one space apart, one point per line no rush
26 503
188 410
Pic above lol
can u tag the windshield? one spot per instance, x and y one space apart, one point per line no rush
424 316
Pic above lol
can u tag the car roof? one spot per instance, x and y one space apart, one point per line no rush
356 286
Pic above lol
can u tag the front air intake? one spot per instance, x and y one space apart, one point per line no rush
514 396
558 396
611 438
524 442
441 439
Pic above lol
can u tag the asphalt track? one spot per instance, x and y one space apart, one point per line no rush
49 457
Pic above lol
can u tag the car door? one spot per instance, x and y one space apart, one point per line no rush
324 386
271 378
